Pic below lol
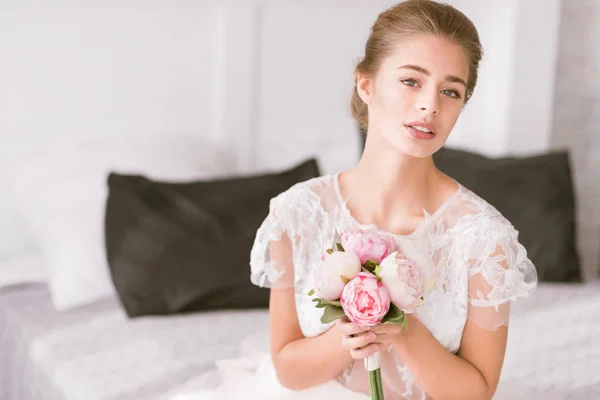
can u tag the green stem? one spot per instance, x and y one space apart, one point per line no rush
376 385
379 383
373 384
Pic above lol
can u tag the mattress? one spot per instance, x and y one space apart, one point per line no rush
96 352
553 349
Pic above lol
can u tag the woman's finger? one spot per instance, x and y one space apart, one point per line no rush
347 328
365 352
383 337
383 329
357 341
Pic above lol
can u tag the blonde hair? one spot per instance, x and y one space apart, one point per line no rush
414 17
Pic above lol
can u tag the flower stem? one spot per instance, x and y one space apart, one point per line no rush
375 383
379 383
372 364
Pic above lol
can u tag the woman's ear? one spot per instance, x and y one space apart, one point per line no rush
364 87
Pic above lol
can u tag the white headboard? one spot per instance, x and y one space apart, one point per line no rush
269 79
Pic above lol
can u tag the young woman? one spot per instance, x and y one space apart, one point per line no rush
418 72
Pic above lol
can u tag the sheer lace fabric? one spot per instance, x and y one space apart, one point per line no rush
479 264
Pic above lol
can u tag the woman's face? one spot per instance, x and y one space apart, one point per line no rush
417 94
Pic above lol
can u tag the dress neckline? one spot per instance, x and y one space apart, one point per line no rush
428 217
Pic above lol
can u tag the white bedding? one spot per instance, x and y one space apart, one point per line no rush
554 344
107 356
553 352
97 353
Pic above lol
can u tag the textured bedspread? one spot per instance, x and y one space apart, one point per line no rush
97 353
554 344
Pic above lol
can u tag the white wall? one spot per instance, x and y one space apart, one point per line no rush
85 69
270 79
534 58
577 117
511 110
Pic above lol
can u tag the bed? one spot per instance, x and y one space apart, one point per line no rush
97 353
554 344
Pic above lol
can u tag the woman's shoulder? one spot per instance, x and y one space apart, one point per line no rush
477 231
304 199
472 213
490 244
312 189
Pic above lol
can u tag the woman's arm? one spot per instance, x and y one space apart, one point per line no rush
300 362
472 374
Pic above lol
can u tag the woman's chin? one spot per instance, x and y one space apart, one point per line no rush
405 144
417 150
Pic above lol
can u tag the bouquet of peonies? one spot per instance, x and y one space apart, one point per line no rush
364 278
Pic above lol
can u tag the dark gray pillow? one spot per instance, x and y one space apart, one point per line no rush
535 194
183 247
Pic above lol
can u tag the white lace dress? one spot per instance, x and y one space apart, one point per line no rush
480 268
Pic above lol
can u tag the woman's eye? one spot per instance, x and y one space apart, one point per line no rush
409 82
451 93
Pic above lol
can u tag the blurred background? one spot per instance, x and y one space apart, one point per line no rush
270 81
189 89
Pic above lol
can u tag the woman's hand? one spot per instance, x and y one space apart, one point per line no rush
360 340
387 334
392 334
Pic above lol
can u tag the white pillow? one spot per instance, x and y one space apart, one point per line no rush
61 191
26 268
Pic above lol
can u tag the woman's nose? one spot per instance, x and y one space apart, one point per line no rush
428 103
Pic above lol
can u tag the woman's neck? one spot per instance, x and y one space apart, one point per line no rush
388 187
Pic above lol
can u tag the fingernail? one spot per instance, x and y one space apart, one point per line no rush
370 336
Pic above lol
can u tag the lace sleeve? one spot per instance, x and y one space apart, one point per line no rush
271 258
499 273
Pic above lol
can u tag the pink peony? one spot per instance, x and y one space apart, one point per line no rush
368 245
405 281
336 269
365 300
